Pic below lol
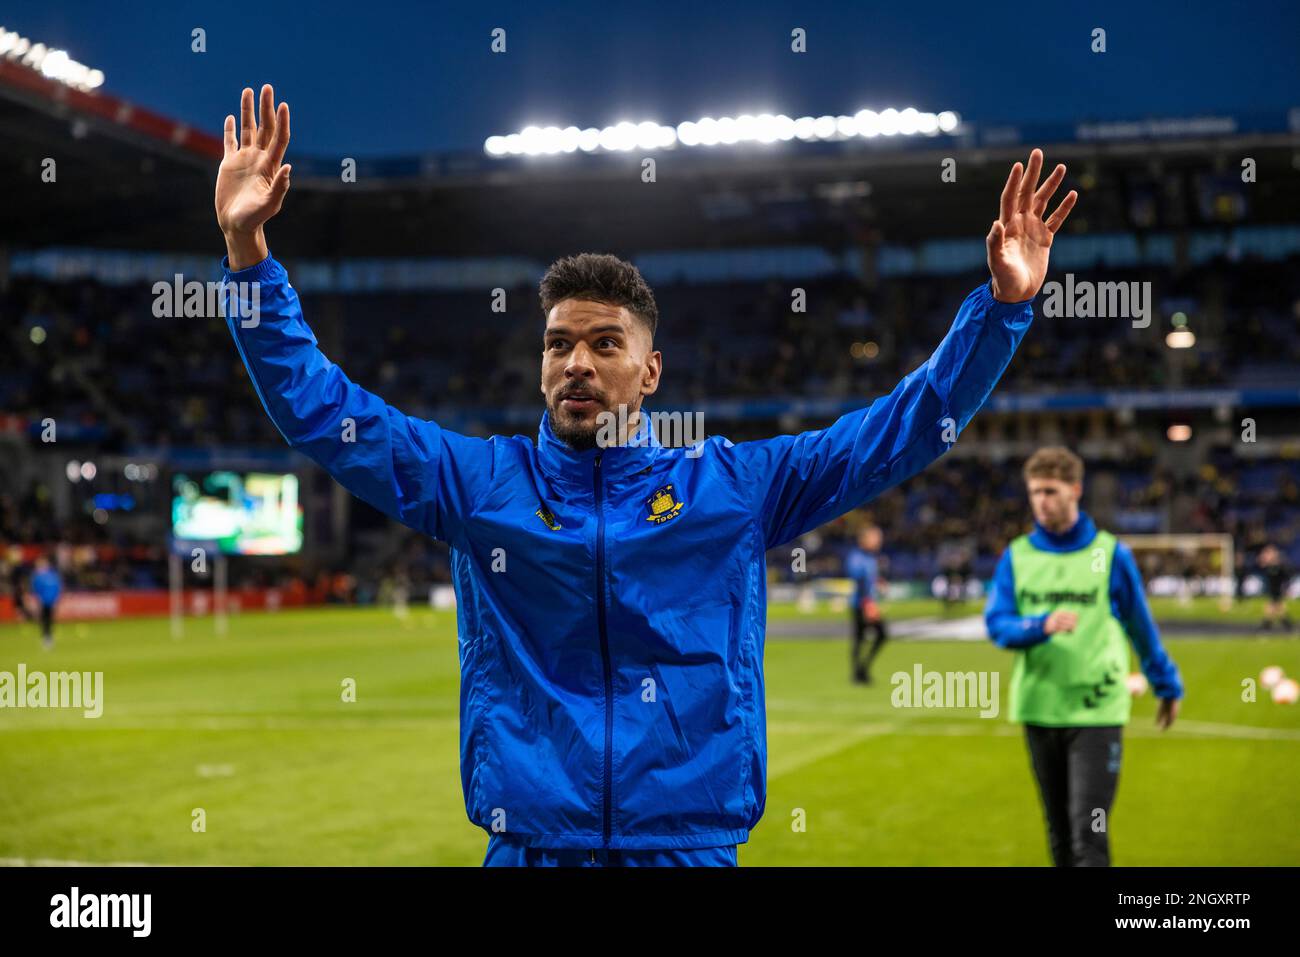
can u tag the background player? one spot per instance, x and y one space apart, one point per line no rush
1064 596
863 566
46 586
1273 569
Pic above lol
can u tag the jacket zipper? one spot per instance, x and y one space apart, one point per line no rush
604 650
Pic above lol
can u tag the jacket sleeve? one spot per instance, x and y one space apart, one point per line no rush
798 482
410 469
1006 626
1129 604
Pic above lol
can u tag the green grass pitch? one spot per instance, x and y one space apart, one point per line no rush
251 728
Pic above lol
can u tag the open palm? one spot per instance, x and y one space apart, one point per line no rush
252 181
1020 240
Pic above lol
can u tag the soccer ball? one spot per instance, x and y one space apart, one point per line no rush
1286 691
1137 684
1270 676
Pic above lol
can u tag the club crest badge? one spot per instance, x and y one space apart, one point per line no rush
663 505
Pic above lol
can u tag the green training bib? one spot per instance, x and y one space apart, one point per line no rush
1072 678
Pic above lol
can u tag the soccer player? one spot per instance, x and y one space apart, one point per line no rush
1276 576
1064 597
863 566
611 592
46 586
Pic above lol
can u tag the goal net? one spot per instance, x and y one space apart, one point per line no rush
1186 566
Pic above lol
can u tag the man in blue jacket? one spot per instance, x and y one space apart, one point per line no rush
862 566
46 586
611 592
1068 599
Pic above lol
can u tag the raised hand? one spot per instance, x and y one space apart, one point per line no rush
253 180
1019 242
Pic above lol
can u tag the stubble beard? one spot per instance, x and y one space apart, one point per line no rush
577 433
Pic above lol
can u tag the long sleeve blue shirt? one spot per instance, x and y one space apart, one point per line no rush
863 568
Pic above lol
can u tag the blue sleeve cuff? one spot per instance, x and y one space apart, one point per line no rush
263 270
986 295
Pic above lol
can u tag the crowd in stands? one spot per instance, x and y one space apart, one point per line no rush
94 358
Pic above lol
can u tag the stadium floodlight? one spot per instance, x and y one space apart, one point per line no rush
1181 339
762 128
824 127
552 139
650 135
53 64
621 136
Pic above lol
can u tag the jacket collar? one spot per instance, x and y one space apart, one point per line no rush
1080 534
617 461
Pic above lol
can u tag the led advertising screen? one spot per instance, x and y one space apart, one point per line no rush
250 513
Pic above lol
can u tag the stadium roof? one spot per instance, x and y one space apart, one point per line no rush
128 178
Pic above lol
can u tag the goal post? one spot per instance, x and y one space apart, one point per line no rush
202 562
1186 566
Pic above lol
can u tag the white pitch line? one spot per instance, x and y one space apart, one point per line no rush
1220 730
1002 728
50 862
242 724
779 768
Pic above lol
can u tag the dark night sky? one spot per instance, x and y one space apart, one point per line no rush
379 78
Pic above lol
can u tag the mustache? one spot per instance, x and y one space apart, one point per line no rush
580 391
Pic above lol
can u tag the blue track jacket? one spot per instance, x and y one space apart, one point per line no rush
612 602
863 568
47 586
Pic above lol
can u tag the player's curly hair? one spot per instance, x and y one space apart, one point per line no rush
601 278
1054 462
